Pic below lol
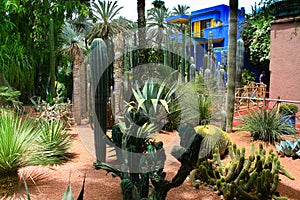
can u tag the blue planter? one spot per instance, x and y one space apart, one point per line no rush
291 120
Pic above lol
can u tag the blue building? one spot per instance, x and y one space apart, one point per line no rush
213 19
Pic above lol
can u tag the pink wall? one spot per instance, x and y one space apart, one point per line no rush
285 61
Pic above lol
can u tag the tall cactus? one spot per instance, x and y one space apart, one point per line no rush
239 62
100 90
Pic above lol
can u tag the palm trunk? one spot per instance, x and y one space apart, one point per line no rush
119 48
78 60
141 30
231 73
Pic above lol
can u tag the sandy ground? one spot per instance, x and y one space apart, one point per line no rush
49 183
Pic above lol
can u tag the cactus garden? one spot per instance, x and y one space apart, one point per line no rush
168 105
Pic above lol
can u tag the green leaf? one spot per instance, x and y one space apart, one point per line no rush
68 193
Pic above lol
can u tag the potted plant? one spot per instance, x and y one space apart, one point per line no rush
289 111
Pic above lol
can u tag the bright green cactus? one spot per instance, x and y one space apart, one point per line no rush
214 138
244 177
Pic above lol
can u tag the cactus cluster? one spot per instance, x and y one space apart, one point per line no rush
244 177
147 166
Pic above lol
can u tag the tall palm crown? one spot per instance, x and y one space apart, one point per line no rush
104 13
180 9
157 24
71 40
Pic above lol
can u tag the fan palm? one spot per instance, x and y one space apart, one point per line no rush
72 43
104 13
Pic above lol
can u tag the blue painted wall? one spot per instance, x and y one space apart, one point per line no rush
219 12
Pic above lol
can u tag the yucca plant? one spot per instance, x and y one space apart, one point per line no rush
52 144
17 136
266 125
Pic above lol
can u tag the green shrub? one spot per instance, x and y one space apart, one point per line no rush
17 136
288 109
266 125
52 143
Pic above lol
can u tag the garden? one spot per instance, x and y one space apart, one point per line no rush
99 107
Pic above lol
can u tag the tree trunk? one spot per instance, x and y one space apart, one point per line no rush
231 73
118 99
52 59
77 64
141 30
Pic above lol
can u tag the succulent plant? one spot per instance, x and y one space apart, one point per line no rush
289 148
214 138
243 177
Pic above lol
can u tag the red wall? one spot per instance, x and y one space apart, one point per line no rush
285 61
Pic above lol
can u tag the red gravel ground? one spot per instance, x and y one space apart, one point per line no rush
49 183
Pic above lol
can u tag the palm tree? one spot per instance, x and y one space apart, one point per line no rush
158 26
141 30
104 13
233 16
182 9
72 43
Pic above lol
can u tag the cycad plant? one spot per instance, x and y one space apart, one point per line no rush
266 125
17 136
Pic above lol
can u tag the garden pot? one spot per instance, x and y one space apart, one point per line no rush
291 120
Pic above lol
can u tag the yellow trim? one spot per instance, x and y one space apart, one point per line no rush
197 29
212 22
180 21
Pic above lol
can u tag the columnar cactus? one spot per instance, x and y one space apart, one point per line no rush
100 89
239 61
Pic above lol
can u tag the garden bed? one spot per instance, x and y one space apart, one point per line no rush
51 182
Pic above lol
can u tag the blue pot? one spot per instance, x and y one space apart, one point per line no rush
291 120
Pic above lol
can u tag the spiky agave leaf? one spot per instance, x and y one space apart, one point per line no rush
17 138
53 143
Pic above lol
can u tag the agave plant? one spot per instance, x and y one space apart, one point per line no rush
17 136
153 100
266 125
289 148
52 144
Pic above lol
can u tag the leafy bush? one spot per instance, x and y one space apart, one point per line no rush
288 109
9 97
58 111
266 125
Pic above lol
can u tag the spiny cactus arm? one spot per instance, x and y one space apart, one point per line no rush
231 172
187 158
243 193
283 171
110 169
128 191
251 181
275 184
279 198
